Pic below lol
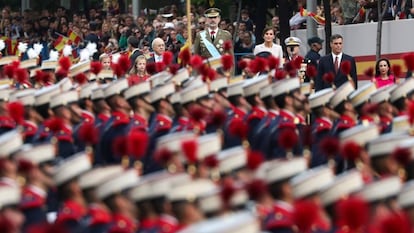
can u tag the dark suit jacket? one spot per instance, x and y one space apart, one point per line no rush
326 65
134 56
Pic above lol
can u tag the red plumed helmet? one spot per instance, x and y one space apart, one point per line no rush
305 214
96 67
370 108
118 71
9 70
61 73
88 133
22 76
409 61
218 118
369 72
16 111
25 166
402 155
352 213
329 146
291 69
288 138
411 112
167 58
39 76
65 63
395 222
346 67
124 62
242 64
227 61
351 150
228 189
211 74
190 149
280 74
81 78
238 128
159 66
254 159
137 143
328 77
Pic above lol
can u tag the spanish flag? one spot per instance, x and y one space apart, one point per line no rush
60 42
186 45
317 18
11 45
74 37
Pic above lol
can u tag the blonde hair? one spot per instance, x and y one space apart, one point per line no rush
134 67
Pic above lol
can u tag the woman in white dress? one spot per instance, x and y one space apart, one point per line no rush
269 46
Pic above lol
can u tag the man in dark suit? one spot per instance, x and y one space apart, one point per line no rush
213 35
158 48
332 63
133 48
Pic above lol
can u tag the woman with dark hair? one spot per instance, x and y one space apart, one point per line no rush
383 76
269 45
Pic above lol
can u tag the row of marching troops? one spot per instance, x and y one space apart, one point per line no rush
196 150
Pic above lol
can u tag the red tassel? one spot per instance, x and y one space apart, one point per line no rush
167 58
151 68
88 133
305 214
346 67
119 146
329 146
218 118
190 149
81 78
242 64
173 69
256 189
273 62
311 71
352 213
290 68
159 66
211 161
396 70
65 63
395 222
137 143
227 45
227 190
39 76
227 61
328 77
297 62
118 71
370 109
124 62
288 138
351 150
261 64
96 67
238 128
22 76
9 70
280 74
162 156
55 124
212 74
25 166
16 111
409 61
369 72
197 113
203 70
254 159
196 61
411 112
61 74
402 156
185 56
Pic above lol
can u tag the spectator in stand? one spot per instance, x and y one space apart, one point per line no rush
139 69
223 24
244 44
349 10
407 9
337 15
133 48
201 22
244 14
105 61
383 76
269 46
158 46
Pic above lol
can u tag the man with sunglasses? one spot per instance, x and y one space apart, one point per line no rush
209 42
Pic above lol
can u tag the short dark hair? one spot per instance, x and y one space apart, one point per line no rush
336 36
133 41
268 29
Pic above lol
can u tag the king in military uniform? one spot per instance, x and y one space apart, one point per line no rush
210 41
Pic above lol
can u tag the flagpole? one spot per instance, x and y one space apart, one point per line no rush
189 31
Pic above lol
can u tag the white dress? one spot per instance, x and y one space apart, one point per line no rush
275 50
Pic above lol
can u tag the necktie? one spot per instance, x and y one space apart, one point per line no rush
336 64
212 35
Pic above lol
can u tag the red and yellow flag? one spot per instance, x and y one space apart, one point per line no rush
60 42
11 45
74 37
